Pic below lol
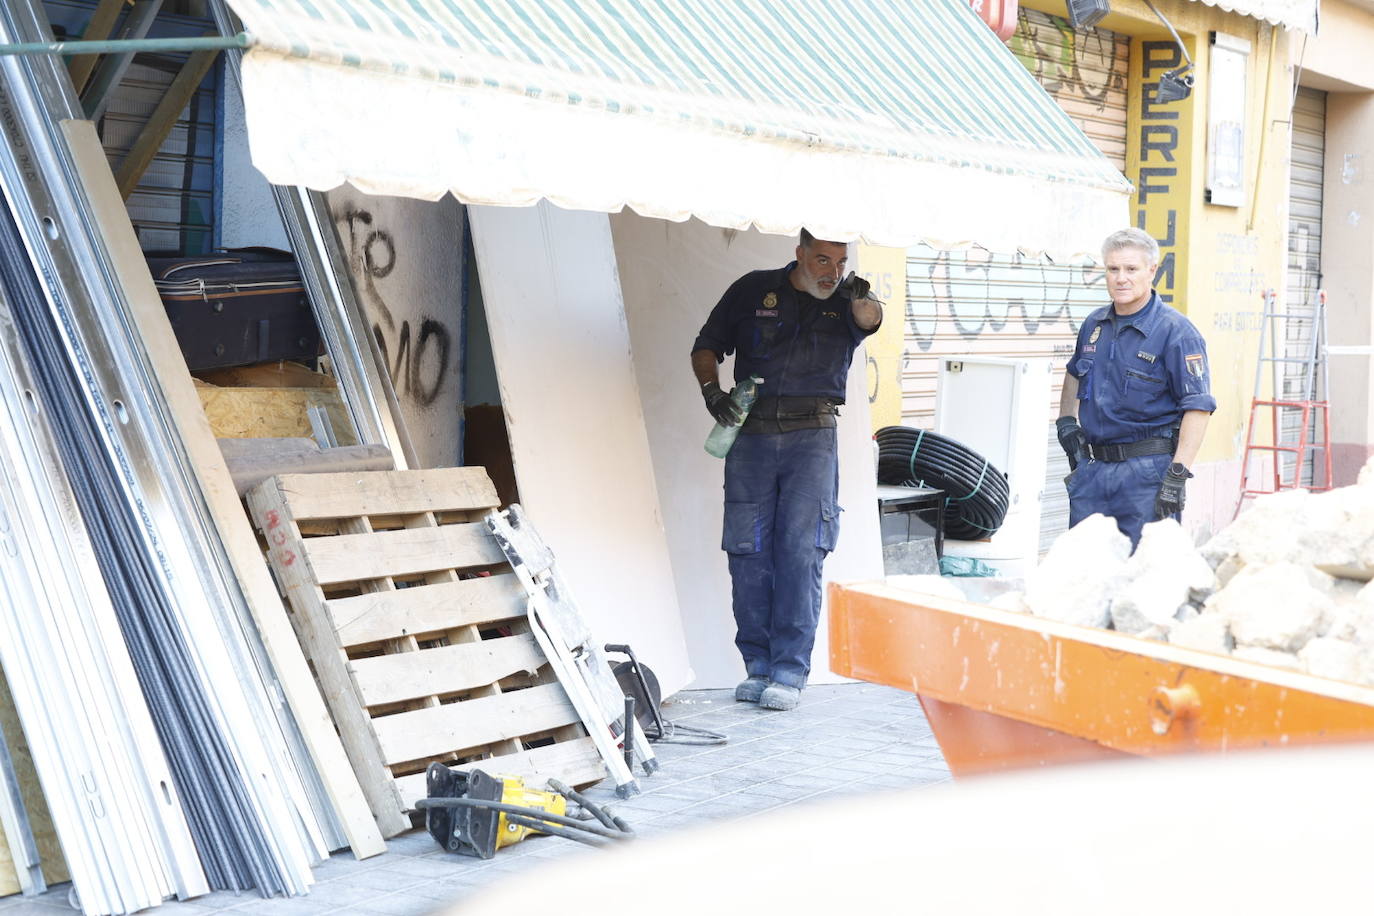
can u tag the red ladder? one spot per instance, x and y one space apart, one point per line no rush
1303 332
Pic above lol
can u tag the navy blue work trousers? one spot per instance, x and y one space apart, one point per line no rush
781 520
1124 490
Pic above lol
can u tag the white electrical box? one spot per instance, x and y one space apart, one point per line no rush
1000 408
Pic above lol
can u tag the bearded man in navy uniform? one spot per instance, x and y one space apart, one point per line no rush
796 328
1137 397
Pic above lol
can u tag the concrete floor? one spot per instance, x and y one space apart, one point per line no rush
843 739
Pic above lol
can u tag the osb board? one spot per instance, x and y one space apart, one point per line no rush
416 627
49 851
281 374
272 413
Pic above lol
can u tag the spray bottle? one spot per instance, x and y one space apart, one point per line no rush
720 440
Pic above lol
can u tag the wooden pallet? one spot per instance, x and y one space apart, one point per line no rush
416 628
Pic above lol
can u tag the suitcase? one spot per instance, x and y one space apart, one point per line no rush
237 308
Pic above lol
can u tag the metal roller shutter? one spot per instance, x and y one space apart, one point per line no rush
1304 243
1000 304
172 208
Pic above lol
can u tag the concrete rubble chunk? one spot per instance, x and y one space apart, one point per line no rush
1263 533
1268 657
1338 534
1206 633
1084 569
1272 607
1339 623
1227 569
1165 570
1362 624
1366 478
1333 658
1366 594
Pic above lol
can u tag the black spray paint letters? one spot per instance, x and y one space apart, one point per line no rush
422 360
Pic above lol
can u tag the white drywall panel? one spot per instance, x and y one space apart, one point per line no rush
248 210
577 431
406 257
672 275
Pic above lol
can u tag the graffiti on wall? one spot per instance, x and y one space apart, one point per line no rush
978 292
418 352
1068 63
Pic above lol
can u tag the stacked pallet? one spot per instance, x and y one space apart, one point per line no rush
416 629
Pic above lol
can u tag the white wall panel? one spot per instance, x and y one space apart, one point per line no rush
577 431
672 275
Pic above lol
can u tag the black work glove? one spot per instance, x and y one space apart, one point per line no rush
721 405
855 286
1073 440
1170 498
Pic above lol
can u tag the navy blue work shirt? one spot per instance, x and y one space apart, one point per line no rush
799 345
1138 374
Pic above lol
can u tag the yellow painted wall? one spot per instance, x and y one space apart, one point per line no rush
1223 257
885 268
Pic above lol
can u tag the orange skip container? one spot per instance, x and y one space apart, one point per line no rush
1005 690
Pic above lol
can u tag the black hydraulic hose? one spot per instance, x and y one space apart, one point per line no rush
614 823
554 830
536 813
691 736
977 494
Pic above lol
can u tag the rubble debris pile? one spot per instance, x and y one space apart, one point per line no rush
1287 584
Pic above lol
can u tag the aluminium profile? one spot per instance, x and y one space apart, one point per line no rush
100 764
123 394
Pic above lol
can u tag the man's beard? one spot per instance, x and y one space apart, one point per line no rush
812 287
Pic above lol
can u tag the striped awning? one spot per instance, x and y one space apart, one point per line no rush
1291 14
884 120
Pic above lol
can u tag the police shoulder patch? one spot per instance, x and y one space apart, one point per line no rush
1196 363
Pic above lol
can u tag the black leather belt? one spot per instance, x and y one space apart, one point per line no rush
1155 445
785 414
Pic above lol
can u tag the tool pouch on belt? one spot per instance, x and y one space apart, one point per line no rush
784 415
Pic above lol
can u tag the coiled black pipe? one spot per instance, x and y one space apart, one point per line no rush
976 493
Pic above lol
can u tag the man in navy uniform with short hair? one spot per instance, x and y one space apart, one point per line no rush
1137 397
796 328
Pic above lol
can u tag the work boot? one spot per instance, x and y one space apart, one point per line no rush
780 696
749 689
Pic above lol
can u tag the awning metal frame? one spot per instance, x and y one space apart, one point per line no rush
240 41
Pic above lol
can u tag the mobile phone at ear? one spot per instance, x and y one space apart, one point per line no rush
855 286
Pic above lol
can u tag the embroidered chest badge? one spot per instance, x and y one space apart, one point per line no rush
1196 364
1148 357
770 301
830 314
1097 332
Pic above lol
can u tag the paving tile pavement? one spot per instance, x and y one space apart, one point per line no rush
843 739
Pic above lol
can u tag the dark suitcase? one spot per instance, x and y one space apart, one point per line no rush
237 308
